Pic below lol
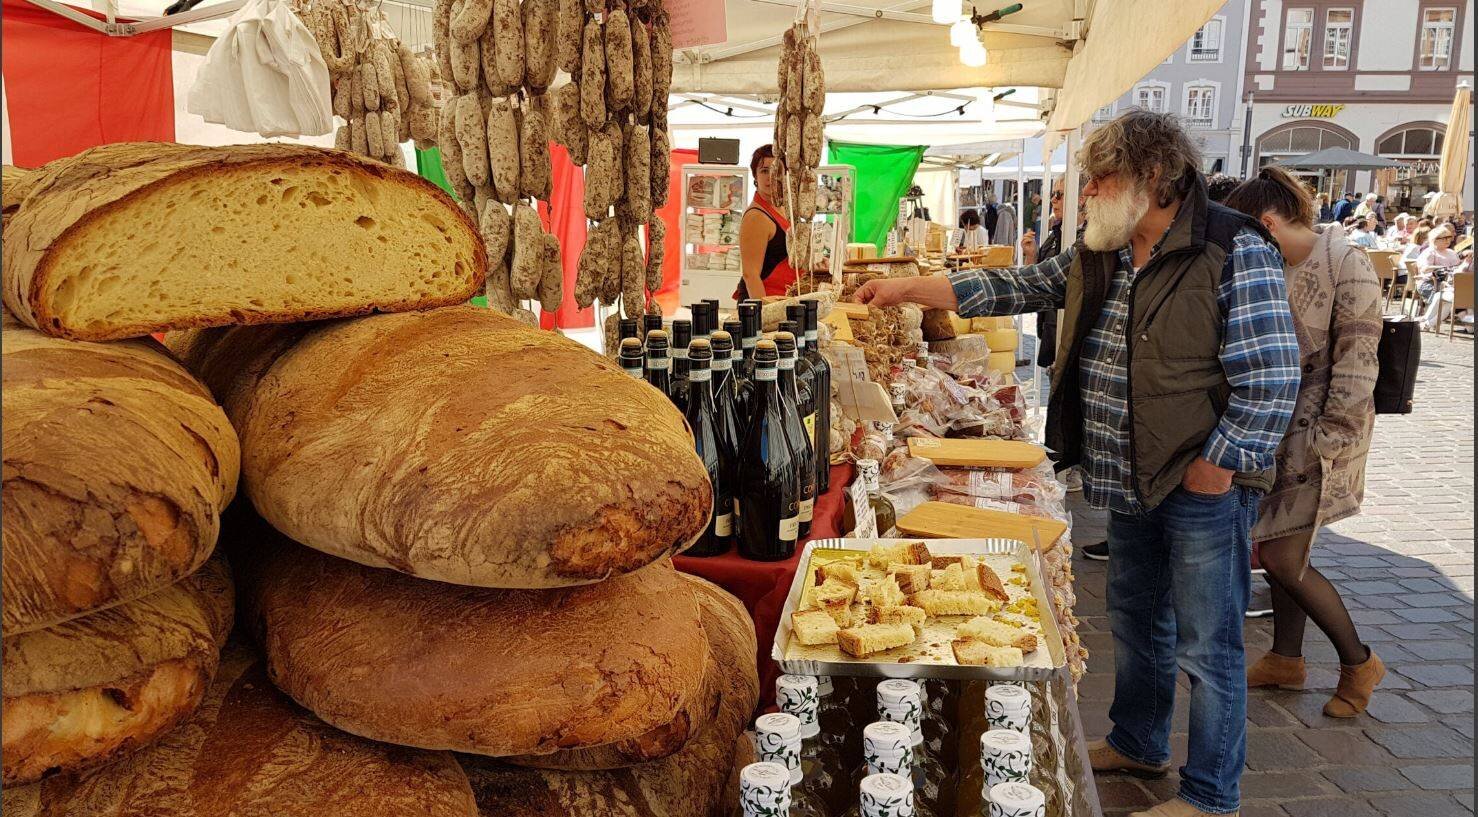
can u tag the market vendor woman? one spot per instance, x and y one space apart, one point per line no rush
766 262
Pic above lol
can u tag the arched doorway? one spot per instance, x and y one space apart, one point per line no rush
1418 147
1302 137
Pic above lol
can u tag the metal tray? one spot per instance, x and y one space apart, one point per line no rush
1045 661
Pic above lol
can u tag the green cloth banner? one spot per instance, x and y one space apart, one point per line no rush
428 165
884 173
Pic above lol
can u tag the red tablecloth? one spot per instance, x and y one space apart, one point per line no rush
762 586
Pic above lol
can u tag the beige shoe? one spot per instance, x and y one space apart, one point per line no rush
1105 758
1179 808
1274 670
1356 683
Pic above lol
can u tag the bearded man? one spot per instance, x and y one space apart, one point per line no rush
1176 376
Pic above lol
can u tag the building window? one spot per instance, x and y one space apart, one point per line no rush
1418 142
1206 42
1419 150
1298 38
1105 113
1436 46
1338 25
1200 106
1150 97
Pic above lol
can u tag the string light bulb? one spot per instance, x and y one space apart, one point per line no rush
945 11
962 32
972 54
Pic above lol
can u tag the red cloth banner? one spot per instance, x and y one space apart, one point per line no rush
69 88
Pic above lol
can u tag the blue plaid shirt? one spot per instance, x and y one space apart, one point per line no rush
1259 355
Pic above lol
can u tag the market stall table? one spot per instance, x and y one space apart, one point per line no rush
762 586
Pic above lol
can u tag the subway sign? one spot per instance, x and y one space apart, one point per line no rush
1321 111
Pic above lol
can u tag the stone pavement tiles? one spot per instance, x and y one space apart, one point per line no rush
1405 566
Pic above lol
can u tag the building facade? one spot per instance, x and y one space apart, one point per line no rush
1376 76
1202 83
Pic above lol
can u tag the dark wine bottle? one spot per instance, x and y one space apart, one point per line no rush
769 488
682 335
659 367
741 383
822 370
749 319
628 328
795 398
631 357
726 410
649 324
804 373
703 419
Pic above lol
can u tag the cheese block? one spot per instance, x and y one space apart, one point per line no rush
693 782
495 672
841 326
851 310
1002 362
986 325
117 466
131 238
977 452
945 520
1002 340
248 750
456 444
101 686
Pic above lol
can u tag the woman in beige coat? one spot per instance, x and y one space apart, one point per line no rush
1336 301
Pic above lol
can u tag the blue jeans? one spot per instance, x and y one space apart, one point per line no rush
1178 584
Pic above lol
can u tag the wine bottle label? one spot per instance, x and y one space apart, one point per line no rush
785 363
765 375
810 421
790 528
808 509
659 364
700 376
748 343
736 509
679 353
722 364
810 336
634 371
723 524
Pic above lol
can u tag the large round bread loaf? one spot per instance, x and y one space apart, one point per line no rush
93 688
248 751
130 238
117 465
496 672
457 445
694 782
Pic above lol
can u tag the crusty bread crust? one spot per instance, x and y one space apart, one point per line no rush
117 465
83 692
457 445
63 198
496 672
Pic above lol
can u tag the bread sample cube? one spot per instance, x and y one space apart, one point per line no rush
885 592
868 639
903 614
982 578
814 627
841 570
835 597
954 603
908 553
268 233
997 633
911 578
951 577
943 562
975 653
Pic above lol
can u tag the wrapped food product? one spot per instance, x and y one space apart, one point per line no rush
487 50
507 23
661 65
343 138
423 124
661 167
343 107
656 252
633 275
569 128
503 151
638 172
551 283
641 67
536 178
590 270
385 77
470 19
496 227
417 78
528 252
441 21
593 76
539 43
610 264
373 134
466 65
600 176
472 139
620 71
390 133
451 152
793 139
569 26
813 94
811 139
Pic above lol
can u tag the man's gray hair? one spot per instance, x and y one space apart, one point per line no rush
1147 147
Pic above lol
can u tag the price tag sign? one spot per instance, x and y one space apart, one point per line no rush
867 520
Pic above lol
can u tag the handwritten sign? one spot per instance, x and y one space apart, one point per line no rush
867 519
697 22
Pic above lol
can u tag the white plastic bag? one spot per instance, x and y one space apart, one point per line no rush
265 75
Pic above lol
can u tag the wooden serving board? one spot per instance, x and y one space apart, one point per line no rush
945 520
973 453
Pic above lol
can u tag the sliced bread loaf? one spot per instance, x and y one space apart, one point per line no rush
89 690
456 444
496 672
126 239
117 465
248 751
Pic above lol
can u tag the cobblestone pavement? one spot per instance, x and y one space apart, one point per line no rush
1405 566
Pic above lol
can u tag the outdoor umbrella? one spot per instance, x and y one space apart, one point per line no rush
1339 159
1454 167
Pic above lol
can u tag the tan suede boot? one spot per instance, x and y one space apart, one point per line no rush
1104 758
1355 685
1274 670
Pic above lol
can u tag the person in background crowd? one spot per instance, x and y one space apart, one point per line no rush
1366 208
1345 208
1218 185
1321 461
1425 222
1410 251
1364 233
972 235
1004 230
1326 213
1379 211
1210 369
1434 268
1400 229
765 261
1033 212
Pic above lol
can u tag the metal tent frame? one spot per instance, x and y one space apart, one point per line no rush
111 26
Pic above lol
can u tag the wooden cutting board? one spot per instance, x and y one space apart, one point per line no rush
977 453
944 520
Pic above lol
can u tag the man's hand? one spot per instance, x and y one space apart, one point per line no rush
930 292
1203 477
1029 248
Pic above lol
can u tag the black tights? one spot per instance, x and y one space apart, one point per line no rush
1297 600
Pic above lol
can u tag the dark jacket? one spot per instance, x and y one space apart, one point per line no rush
1177 387
1343 210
